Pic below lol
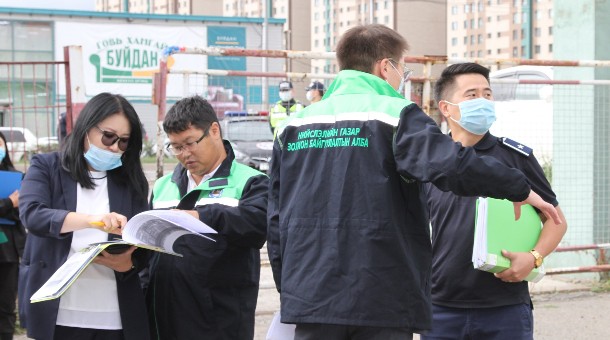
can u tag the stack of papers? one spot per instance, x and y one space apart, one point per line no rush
155 230
496 229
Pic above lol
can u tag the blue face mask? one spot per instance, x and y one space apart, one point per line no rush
477 115
102 160
2 154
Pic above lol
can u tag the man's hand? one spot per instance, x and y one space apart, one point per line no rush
117 262
521 264
535 200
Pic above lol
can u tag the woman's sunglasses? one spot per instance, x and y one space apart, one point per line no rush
109 138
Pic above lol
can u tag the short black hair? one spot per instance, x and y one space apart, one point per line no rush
188 111
361 46
447 79
96 110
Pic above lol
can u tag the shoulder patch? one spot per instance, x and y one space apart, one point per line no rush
516 146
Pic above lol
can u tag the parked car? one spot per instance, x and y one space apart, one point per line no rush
19 141
250 137
525 111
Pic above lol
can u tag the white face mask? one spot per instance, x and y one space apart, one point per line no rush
285 96
309 95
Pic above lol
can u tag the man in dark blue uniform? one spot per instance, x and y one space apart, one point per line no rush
469 303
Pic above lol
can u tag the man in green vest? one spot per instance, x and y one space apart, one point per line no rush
210 292
284 107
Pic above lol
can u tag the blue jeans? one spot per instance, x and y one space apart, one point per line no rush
515 322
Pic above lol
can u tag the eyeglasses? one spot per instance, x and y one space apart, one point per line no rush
176 150
109 138
407 71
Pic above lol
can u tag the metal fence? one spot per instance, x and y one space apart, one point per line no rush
566 122
30 107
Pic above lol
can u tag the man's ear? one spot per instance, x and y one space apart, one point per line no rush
442 107
215 129
381 69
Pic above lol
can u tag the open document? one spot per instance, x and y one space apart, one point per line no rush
155 229
496 229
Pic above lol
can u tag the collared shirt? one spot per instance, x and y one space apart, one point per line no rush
455 283
192 184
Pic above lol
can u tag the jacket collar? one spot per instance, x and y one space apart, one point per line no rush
487 142
357 82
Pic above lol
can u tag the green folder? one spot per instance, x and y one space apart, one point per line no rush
3 238
496 229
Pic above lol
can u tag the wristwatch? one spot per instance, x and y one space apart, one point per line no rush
538 257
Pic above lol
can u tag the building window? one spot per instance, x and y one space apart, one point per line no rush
498 51
480 22
551 13
515 35
537 31
454 9
466 8
480 38
471 54
550 30
386 19
537 49
472 23
551 48
472 41
537 14
480 54
489 19
454 41
454 25
465 23
465 40
499 34
488 52
515 52
488 35
516 18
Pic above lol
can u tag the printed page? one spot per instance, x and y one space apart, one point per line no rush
61 280
161 228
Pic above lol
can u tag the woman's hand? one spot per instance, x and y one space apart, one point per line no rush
117 262
15 198
111 223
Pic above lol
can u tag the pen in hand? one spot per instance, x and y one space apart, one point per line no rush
103 226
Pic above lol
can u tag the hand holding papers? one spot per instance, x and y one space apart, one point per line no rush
496 229
155 229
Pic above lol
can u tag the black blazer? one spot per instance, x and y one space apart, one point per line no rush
47 195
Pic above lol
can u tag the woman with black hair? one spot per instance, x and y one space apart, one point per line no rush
96 177
13 234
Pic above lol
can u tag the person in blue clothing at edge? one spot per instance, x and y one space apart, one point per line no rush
348 233
96 177
468 303
211 292
12 241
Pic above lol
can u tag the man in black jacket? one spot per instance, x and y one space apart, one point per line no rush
348 234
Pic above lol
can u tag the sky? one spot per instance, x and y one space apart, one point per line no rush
81 5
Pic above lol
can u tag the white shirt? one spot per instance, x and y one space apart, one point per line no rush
192 185
92 300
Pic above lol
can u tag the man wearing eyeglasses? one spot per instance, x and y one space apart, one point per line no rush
348 234
210 292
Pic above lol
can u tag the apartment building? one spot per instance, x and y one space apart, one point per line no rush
183 7
500 29
317 25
